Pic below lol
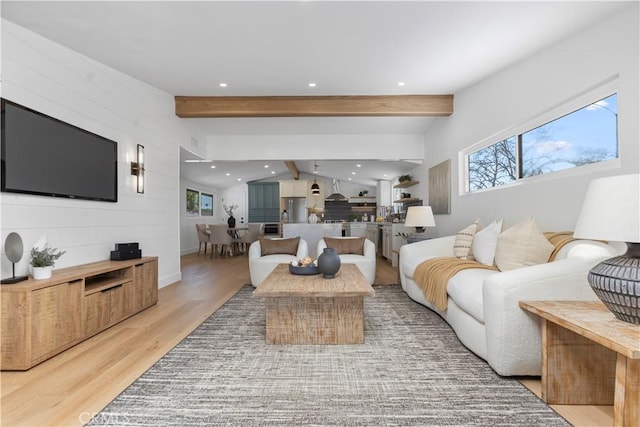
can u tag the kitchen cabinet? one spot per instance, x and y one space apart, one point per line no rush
391 241
264 202
383 193
358 229
372 233
294 188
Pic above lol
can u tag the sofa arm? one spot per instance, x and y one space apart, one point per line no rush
513 335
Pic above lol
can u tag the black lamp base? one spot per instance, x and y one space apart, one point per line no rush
616 281
14 279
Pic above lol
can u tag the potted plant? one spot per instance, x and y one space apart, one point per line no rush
404 178
43 260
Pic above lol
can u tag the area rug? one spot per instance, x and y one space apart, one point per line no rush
412 370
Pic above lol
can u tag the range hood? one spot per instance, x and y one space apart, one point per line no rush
336 196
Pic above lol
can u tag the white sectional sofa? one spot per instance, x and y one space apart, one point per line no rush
483 305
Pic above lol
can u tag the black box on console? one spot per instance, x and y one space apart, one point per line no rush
127 246
122 255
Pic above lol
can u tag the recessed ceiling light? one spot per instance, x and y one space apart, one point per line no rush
312 84
349 179
273 172
358 165
401 84
227 174
353 173
213 166
385 175
266 166
239 179
222 84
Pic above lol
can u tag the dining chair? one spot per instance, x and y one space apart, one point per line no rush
254 232
203 237
220 237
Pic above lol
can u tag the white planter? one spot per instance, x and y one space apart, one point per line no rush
40 273
313 218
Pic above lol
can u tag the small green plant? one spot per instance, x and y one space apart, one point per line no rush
404 178
45 257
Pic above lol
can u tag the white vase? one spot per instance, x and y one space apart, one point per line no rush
313 218
40 273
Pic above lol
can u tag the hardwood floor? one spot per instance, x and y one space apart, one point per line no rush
69 388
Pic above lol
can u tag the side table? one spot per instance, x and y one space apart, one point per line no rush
589 357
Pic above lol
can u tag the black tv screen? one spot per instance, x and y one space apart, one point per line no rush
45 156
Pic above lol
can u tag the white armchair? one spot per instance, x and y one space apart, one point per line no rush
365 262
261 265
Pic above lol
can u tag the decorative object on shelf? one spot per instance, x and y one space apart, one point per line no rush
611 211
440 188
313 217
229 211
329 263
420 217
404 178
13 248
43 258
137 168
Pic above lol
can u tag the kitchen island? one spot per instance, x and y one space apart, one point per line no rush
312 233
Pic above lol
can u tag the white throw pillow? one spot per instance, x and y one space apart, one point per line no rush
484 243
522 245
462 244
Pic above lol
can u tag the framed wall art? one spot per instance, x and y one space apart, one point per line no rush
440 188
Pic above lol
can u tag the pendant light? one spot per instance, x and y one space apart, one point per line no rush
315 188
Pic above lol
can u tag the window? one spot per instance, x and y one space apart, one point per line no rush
585 136
199 203
206 204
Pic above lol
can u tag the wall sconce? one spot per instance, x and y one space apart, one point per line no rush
137 168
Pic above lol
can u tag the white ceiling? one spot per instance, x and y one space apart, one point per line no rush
277 48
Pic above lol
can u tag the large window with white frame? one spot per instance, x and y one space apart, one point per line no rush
576 137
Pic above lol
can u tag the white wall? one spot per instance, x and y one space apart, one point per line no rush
521 92
61 83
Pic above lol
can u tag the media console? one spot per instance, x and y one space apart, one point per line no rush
41 318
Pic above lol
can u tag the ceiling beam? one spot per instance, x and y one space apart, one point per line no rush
295 173
313 106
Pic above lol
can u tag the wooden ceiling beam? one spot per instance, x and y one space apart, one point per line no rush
293 169
313 106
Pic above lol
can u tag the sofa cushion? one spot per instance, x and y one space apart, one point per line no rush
279 246
522 245
465 289
352 245
484 243
462 244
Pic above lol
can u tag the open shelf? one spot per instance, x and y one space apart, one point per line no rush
407 200
406 184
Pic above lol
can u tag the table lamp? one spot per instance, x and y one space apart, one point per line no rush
420 217
611 211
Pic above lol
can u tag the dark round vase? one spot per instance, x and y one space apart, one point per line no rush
232 222
328 263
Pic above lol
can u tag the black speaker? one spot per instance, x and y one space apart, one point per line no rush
126 251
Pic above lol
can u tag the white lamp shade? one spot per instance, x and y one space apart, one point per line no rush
420 216
611 210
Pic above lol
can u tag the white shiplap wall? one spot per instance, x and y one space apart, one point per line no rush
62 83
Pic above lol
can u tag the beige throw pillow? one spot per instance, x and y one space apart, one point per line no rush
462 244
352 245
279 246
522 245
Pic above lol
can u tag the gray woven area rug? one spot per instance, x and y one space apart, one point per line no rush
412 370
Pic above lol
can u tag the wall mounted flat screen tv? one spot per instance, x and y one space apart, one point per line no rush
45 156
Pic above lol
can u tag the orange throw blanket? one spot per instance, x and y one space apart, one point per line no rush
434 274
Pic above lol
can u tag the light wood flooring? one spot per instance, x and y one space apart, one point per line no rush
69 388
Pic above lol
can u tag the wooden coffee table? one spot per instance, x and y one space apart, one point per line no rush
314 310
589 357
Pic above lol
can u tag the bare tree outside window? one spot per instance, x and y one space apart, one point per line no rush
493 166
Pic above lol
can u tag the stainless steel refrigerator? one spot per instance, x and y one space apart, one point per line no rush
297 209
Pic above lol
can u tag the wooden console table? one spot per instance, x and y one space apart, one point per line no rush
589 357
41 318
